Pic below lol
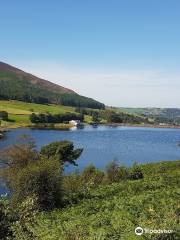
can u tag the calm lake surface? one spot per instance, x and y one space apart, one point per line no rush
103 144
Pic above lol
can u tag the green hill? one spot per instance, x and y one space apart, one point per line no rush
164 115
16 84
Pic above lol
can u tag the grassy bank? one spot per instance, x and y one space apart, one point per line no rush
19 113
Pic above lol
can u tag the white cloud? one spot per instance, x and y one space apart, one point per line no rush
134 88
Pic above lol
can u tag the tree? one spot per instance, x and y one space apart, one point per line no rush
95 116
92 176
4 115
29 172
63 150
41 179
112 172
34 118
136 172
20 154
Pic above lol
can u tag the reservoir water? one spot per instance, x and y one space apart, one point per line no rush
103 144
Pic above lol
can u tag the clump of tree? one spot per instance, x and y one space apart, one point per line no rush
116 173
55 118
120 117
30 172
95 117
111 116
4 115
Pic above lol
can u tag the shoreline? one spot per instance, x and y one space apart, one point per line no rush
2 133
142 125
60 126
68 126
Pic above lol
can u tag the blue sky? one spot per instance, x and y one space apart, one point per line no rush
121 52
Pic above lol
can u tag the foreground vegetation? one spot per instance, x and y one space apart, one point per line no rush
93 204
113 211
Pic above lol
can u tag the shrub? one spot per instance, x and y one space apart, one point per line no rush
41 179
4 115
73 188
92 176
136 172
123 173
5 221
26 213
169 236
112 172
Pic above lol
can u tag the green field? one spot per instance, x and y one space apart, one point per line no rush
19 111
112 212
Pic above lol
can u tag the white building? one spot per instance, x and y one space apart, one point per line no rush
75 122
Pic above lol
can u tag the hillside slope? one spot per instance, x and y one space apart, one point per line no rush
6 68
16 84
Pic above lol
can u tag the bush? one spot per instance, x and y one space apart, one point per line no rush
4 115
136 172
73 188
92 176
170 236
41 179
5 221
112 172
26 212
123 173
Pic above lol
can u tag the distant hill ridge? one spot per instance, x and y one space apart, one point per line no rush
16 84
164 115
